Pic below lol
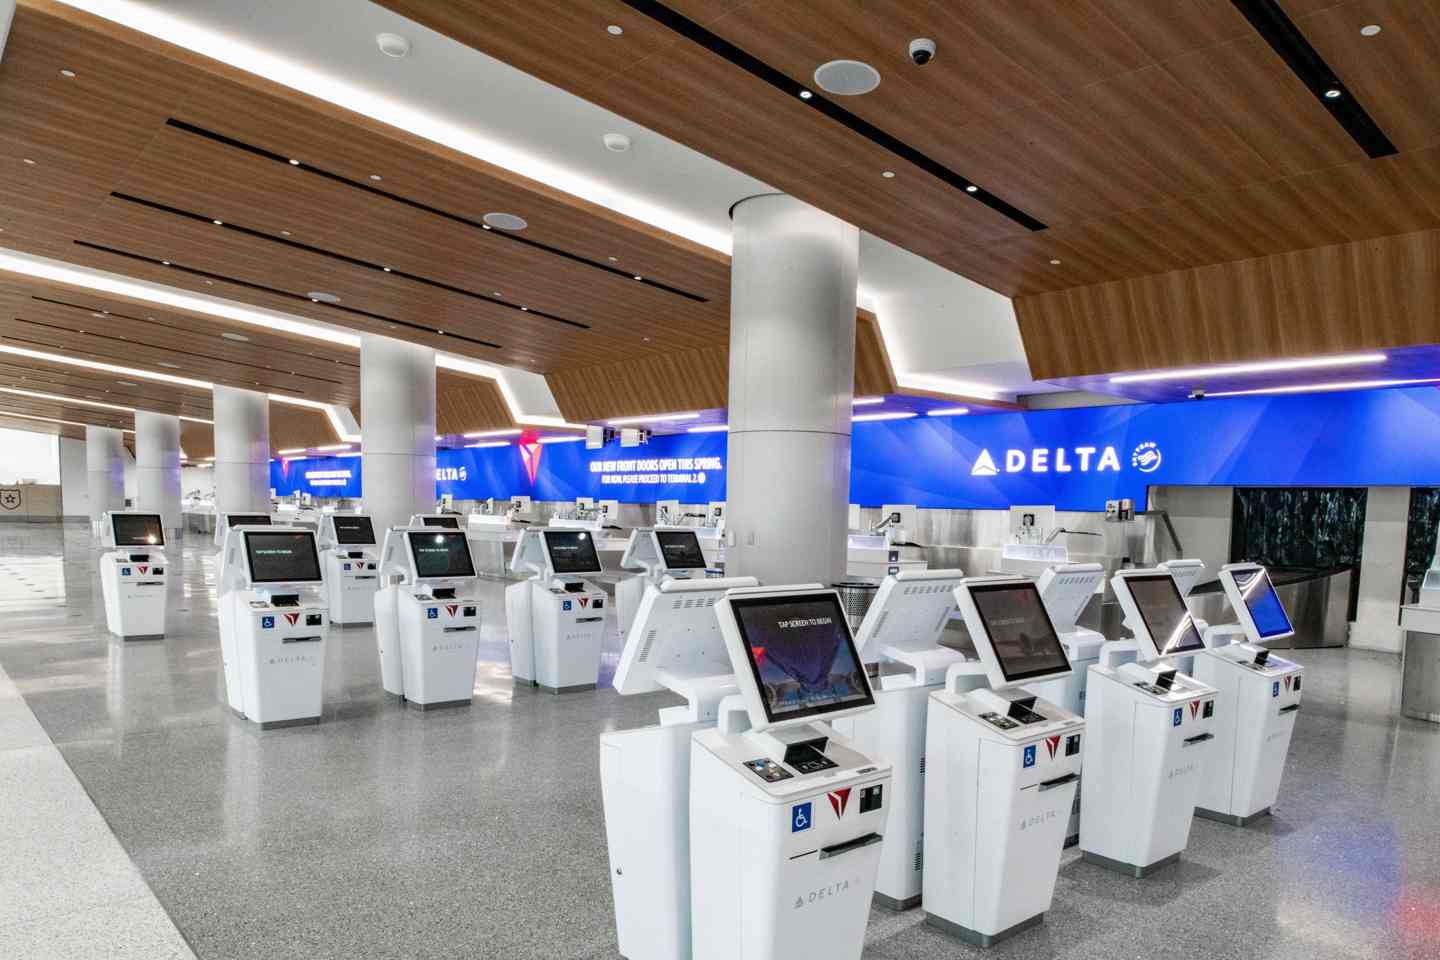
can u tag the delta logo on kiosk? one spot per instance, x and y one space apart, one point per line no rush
1052 744
839 800
450 608
1194 709
292 618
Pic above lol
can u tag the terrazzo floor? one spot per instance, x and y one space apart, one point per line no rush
478 832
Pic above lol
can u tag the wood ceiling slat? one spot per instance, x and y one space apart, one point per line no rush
466 404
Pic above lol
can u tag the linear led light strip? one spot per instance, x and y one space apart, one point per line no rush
88 403
1322 387
1242 369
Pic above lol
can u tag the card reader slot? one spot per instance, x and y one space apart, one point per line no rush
1290 709
1199 738
1058 782
302 640
835 850
589 619
460 629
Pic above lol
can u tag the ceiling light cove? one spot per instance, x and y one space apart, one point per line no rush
654 418
947 412
1244 369
867 401
873 417
1326 387
710 428
513 432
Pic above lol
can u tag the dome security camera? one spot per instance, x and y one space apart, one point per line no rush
922 50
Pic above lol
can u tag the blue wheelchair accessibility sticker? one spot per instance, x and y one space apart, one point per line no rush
567 605
267 623
800 817
1029 760
124 571
432 613
1179 715
1275 689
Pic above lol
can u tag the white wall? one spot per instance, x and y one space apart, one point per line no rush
1382 570
74 482
29 456
197 479
1201 517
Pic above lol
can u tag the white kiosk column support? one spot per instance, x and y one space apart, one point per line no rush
397 426
792 381
157 467
242 451
104 470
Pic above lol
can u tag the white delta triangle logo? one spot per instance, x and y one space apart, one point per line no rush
1046 460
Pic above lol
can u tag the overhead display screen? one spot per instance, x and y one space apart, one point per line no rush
1264 605
1020 631
247 519
572 551
680 549
137 529
801 655
1165 614
354 531
450 523
282 557
441 556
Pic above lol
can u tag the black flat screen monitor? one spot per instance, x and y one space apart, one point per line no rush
441 555
801 655
572 551
1164 613
1021 634
247 519
354 531
1264 605
282 557
680 549
449 523
138 529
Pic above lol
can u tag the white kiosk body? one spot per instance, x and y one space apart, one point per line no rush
656 553
1152 730
427 619
352 573
223 523
132 574
786 817
1259 697
902 629
556 618
273 624
1002 766
675 644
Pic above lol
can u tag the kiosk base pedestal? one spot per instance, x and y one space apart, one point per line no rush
898 906
1233 820
1129 869
282 724
974 938
437 705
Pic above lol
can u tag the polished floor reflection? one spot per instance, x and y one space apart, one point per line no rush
478 832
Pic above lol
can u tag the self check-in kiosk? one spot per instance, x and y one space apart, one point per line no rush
132 574
1151 730
786 816
656 553
427 618
1259 697
222 526
899 642
1001 771
273 624
352 570
556 617
675 645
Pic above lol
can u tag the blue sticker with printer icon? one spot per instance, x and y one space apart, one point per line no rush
1029 760
1179 716
432 613
1275 689
267 623
800 817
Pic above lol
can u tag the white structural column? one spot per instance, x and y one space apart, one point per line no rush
104 470
397 429
792 381
242 451
157 467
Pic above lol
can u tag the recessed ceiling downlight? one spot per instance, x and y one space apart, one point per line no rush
1370 30
505 221
237 337
320 296
392 45
846 78
616 142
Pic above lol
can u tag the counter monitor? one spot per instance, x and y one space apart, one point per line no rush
441 555
1165 616
354 531
247 519
572 551
287 557
449 523
1020 631
680 549
137 529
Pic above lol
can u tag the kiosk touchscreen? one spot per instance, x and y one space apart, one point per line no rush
899 641
786 817
132 574
675 645
1002 767
655 553
352 570
1151 733
448 521
427 617
273 624
1259 697
556 617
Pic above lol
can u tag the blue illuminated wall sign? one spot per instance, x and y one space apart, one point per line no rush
1075 459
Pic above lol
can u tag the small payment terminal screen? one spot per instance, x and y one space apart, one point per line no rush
572 551
441 556
1020 631
450 523
137 529
801 655
1265 608
680 549
354 531
282 557
1165 614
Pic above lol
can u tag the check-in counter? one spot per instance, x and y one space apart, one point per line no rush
1420 666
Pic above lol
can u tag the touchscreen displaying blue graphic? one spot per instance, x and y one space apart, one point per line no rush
1265 608
801 655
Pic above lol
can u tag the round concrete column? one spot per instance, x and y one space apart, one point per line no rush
104 470
792 381
242 451
397 429
157 467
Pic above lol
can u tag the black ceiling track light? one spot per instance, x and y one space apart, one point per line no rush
427 208
246 284
1271 22
353 261
761 70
